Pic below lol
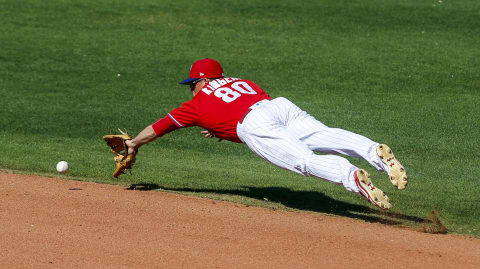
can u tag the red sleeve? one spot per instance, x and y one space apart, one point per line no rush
164 126
186 115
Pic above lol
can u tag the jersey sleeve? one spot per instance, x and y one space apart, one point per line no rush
164 126
184 116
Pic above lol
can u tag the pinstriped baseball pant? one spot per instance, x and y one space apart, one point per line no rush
288 137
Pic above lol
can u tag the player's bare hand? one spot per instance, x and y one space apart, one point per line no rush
209 134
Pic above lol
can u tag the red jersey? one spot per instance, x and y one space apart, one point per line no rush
217 107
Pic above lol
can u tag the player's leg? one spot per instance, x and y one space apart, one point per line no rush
277 146
265 134
322 138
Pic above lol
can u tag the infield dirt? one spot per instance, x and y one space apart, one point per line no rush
47 222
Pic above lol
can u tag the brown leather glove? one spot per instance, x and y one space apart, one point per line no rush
119 148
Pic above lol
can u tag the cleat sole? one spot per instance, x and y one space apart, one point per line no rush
396 172
373 194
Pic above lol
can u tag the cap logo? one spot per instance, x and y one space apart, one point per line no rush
202 74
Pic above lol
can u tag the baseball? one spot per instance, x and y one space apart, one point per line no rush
62 167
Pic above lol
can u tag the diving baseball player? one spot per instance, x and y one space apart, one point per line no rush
277 130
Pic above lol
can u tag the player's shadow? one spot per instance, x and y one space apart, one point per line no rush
303 200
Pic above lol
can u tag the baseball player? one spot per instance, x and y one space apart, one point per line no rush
277 130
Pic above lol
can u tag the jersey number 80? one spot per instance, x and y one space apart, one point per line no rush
231 94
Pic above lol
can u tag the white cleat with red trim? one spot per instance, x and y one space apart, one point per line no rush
373 194
396 171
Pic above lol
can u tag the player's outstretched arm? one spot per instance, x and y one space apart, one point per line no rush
147 135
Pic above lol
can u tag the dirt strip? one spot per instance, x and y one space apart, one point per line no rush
54 223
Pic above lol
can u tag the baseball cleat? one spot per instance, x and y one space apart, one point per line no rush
373 194
396 171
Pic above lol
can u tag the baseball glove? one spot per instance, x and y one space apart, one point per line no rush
119 148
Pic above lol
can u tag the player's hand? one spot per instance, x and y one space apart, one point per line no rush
209 134
131 147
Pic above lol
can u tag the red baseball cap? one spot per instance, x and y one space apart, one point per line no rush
204 68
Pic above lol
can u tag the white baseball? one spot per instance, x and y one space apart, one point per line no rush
62 167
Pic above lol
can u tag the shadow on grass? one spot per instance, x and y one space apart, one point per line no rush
303 200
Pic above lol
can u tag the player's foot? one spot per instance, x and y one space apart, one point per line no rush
373 194
396 171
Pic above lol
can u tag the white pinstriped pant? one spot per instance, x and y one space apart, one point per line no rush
287 136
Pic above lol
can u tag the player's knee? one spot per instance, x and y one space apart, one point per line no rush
301 165
315 163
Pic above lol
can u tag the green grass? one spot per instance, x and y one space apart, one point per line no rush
405 73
